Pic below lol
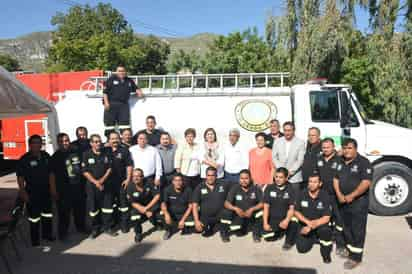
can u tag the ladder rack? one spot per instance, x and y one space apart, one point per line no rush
186 84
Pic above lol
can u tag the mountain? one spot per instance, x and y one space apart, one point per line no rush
31 49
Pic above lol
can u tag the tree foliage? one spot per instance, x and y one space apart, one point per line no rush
100 38
9 63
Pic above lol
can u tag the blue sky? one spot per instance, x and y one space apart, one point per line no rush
159 17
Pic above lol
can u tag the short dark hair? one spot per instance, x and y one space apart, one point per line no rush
315 128
210 168
95 136
151 117
141 133
283 170
120 66
81 128
212 130
245 171
126 129
260 134
139 169
34 138
115 133
190 131
164 133
328 139
289 123
274 121
177 175
314 174
347 141
61 135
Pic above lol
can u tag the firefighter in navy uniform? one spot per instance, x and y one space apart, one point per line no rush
326 166
66 176
278 210
122 167
313 150
243 208
177 207
116 97
97 167
33 178
352 182
144 199
82 144
208 203
313 211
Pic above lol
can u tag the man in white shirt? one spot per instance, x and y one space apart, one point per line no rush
235 158
147 158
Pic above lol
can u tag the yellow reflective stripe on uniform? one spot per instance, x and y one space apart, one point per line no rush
259 214
294 219
354 249
228 222
123 126
107 210
268 235
93 214
189 223
135 217
338 228
325 243
46 215
34 220
109 127
235 227
123 209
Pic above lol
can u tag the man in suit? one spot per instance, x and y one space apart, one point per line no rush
289 152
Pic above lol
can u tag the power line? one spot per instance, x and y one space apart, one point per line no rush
158 28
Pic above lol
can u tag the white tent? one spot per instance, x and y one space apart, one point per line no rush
16 99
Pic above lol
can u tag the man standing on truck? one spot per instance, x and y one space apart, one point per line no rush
352 181
116 97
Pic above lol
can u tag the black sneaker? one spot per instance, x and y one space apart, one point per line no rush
327 260
225 237
185 231
208 232
286 246
94 234
138 238
167 235
111 232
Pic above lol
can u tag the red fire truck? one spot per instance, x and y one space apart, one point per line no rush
14 132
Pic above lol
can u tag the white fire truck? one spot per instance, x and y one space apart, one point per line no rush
249 102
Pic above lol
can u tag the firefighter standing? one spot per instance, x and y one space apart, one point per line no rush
66 177
33 177
116 97
97 167
122 167
326 165
351 184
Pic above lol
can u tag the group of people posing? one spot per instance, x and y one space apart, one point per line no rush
307 193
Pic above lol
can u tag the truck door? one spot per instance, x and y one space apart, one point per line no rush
38 127
325 113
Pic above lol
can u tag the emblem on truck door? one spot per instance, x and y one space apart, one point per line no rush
255 114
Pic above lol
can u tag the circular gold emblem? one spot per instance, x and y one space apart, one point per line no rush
255 114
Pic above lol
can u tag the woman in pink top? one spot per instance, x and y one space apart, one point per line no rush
260 162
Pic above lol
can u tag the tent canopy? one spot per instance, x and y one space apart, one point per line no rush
16 99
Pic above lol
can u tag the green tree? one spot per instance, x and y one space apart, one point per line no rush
9 63
100 38
182 61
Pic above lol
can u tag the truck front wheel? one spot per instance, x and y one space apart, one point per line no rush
391 192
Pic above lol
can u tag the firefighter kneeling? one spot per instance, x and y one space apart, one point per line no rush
243 208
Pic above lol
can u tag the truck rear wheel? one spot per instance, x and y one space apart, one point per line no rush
391 192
